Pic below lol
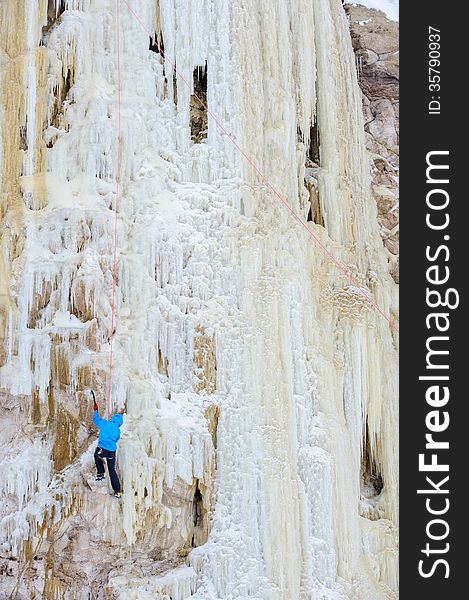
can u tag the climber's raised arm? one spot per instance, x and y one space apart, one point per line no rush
96 418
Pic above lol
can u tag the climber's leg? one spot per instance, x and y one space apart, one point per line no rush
98 453
111 467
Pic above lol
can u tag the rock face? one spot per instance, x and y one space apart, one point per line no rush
258 455
375 41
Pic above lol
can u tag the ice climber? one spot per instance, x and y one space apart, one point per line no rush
109 434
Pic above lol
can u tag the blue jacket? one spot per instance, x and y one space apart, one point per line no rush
109 432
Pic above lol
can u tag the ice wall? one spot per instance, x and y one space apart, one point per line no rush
259 454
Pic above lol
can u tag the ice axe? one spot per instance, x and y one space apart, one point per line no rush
95 405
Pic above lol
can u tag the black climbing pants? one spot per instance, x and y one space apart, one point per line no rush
110 455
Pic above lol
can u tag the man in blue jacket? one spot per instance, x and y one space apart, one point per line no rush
109 434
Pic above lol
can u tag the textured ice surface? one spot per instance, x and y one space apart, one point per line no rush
256 377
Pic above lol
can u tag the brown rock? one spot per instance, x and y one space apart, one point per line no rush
389 220
392 244
385 199
395 271
371 29
375 40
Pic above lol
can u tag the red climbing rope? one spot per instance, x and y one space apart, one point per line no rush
116 220
273 189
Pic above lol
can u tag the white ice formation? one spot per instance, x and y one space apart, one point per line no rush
259 451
